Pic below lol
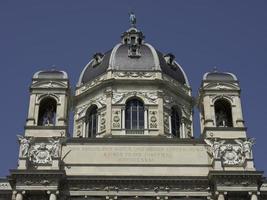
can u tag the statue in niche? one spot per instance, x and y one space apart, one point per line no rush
49 116
221 119
24 145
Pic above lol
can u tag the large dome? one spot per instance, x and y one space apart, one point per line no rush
132 54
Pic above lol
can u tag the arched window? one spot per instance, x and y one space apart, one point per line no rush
47 112
134 115
175 122
223 113
91 121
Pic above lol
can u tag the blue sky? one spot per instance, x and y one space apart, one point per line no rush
35 35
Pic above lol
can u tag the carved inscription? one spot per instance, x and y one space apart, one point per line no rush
132 154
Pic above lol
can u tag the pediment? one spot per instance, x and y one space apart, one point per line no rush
221 86
49 84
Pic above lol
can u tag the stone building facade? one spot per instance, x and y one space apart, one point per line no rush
133 134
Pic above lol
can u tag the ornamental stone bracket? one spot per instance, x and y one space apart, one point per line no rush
230 153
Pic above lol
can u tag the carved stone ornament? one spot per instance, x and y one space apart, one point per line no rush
134 74
151 97
153 119
40 154
231 154
116 119
166 123
169 100
184 88
81 110
246 147
103 121
55 147
92 84
25 143
214 147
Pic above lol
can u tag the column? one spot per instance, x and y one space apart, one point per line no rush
254 197
123 118
160 113
239 118
31 120
53 196
60 115
84 129
220 197
98 123
170 124
146 118
108 93
19 196
208 118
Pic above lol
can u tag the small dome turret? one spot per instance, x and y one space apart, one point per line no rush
50 74
219 76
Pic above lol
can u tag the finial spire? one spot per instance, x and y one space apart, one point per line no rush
132 19
215 69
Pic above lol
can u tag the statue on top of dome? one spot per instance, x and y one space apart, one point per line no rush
132 19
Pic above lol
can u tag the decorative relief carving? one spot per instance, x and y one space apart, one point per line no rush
40 154
231 154
49 84
214 147
79 130
4 186
227 97
153 119
55 147
25 143
184 88
166 123
93 83
116 119
188 128
103 122
134 74
221 86
139 186
151 97
81 110
246 147
118 97
169 101
48 94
